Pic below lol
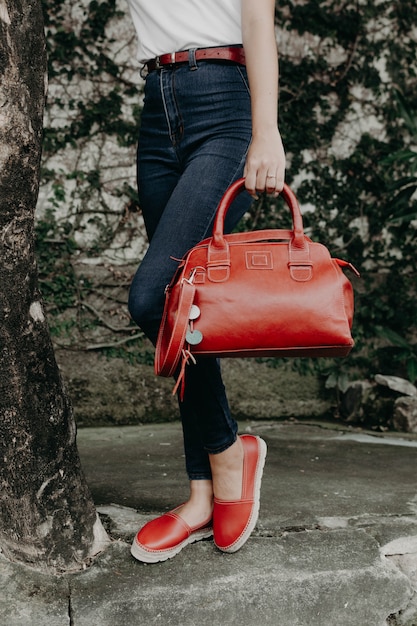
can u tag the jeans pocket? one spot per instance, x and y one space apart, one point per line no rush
244 76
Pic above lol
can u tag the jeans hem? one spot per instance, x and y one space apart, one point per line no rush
221 448
199 476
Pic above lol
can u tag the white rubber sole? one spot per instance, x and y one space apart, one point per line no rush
141 553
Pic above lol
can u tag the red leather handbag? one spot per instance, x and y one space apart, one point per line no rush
262 293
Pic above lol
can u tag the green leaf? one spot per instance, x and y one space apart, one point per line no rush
393 337
412 369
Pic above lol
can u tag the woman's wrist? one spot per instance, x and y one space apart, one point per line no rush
264 130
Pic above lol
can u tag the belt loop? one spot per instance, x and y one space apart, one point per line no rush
192 61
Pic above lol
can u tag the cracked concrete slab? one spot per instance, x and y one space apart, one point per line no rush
321 481
335 545
402 552
32 598
342 581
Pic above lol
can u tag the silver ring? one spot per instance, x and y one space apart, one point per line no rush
270 176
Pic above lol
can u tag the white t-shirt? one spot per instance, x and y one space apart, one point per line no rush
165 26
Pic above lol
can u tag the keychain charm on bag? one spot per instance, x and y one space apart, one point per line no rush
193 337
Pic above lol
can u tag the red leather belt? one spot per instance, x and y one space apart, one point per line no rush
236 54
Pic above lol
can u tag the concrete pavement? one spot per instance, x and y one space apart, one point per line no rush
335 545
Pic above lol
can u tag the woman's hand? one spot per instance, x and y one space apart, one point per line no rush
265 163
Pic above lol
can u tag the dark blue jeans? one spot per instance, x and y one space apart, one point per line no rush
194 137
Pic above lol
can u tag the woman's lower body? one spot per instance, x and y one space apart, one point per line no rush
194 137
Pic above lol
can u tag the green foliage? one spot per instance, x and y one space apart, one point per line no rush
400 351
349 124
363 199
55 251
91 122
138 353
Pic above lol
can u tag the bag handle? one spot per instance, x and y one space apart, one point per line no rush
298 239
218 263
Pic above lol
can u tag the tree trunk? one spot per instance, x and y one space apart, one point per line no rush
47 516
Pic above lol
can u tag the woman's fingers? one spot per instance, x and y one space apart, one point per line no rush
265 166
269 179
271 182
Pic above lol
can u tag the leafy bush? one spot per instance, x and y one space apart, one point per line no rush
348 79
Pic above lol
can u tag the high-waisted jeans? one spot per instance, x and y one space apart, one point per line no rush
194 137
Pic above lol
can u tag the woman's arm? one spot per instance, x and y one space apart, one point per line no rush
266 157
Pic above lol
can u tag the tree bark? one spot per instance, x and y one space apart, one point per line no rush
47 517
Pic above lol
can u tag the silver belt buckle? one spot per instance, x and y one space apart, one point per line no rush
159 65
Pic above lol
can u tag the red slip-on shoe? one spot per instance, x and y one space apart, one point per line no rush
163 537
234 521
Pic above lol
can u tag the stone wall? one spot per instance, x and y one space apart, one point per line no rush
108 392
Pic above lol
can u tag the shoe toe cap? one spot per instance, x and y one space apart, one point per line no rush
163 533
230 521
